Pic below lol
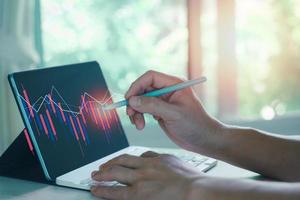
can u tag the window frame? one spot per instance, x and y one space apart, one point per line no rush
227 75
227 66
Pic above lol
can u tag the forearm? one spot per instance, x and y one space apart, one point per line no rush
267 154
233 189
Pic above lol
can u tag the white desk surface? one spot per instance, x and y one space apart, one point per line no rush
13 189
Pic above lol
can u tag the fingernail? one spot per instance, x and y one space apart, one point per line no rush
135 101
138 117
126 95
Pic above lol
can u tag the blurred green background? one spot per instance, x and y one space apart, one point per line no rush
130 37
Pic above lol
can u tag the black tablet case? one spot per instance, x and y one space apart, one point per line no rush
19 162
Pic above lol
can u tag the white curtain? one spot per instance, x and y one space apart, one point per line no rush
17 52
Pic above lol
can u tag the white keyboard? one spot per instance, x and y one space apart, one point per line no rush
202 163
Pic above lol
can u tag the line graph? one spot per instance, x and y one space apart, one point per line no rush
51 110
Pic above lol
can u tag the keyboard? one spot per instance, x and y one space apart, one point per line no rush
202 163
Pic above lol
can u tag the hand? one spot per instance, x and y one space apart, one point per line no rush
180 114
158 177
151 176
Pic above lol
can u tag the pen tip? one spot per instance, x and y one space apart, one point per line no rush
107 107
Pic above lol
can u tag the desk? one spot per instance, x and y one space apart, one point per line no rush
13 189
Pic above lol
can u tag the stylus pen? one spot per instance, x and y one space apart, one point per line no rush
159 92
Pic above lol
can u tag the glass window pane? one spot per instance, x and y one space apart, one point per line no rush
268 54
126 37
268 51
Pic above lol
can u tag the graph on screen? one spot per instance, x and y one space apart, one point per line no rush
52 110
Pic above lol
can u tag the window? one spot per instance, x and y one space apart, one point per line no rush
262 41
267 38
126 37
268 51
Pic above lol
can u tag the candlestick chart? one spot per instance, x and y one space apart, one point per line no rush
52 110
66 127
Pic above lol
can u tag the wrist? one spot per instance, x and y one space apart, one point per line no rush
217 138
199 188
225 142
222 140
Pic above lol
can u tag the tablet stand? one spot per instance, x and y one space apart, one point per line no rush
19 162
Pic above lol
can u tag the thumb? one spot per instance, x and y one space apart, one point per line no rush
153 106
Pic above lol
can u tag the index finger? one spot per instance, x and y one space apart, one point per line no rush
125 160
151 79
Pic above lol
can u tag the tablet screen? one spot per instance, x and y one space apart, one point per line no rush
61 107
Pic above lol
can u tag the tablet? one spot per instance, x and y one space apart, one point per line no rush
61 109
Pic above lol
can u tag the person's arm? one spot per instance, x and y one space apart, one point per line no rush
159 177
267 154
210 188
185 121
183 118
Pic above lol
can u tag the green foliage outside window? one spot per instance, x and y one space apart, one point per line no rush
129 37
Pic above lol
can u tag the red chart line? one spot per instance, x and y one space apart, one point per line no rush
61 112
83 104
51 123
93 113
28 103
52 104
80 128
82 115
115 115
44 124
74 128
109 114
106 119
101 120
28 141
